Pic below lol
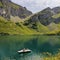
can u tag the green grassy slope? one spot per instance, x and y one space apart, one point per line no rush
14 28
32 28
9 27
37 26
15 6
19 28
54 28
56 16
1 5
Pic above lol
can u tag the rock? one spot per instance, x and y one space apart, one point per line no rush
57 20
12 9
56 10
44 16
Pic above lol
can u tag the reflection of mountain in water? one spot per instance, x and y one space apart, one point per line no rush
9 45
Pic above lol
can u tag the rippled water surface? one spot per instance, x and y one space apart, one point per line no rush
9 45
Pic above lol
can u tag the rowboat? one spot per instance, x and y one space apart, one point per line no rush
24 51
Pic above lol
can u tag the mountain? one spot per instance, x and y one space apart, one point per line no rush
22 21
10 28
44 16
56 9
47 18
8 8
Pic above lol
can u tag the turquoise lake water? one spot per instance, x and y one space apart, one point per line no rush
9 45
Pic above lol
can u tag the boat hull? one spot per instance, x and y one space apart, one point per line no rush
24 52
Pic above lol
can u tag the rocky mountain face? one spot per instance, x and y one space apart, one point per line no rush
56 9
45 16
46 20
8 8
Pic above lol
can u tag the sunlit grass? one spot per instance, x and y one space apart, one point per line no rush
11 27
51 57
56 16
15 6
1 5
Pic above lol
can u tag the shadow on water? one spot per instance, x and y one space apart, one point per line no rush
9 45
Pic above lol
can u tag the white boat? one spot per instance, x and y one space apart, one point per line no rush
24 51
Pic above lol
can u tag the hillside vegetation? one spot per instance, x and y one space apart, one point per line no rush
52 57
19 28
10 27
13 28
1 5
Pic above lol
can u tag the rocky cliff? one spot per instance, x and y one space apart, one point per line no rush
46 16
56 9
8 8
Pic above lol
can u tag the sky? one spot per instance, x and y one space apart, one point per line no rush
37 5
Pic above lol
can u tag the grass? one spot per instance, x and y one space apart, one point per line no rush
9 27
52 57
16 19
15 6
56 16
1 5
54 28
42 28
13 27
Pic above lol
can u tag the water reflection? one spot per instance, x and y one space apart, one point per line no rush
9 45
30 56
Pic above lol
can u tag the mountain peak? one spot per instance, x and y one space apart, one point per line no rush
48 8
4 1
56 9
11 9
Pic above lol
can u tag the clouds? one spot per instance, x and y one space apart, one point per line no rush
37 5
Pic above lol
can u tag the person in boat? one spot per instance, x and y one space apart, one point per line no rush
24 50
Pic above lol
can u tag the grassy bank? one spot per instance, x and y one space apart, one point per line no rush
52 57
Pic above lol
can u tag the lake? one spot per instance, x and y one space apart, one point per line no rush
9 45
